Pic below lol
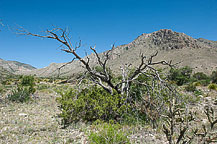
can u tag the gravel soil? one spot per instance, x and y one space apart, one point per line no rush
34 122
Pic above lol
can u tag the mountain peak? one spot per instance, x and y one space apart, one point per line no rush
166 39
165 31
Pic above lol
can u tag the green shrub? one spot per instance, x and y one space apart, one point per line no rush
202 78
21 94
27 81
4 82
181 75
204 82
212 86
190 87
107 133
214 77
198 92
42 86
196 83
138 105
91 104
24 91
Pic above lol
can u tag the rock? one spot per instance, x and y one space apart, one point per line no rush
23 114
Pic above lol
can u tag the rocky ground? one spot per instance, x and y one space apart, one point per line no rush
36 122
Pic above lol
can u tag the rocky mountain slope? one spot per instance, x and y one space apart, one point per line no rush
14 66
4 73
200 54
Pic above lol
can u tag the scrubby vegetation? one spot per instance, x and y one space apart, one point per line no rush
180 75
95 104
24 90
92 104
140 105
135 97
108 133
21 94
190 87
214 77
212 86
114 118
201 78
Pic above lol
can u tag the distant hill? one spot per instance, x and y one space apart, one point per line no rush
200 54
15 67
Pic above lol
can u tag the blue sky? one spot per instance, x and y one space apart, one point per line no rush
100 22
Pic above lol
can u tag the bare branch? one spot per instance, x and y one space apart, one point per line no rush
64 66
103 78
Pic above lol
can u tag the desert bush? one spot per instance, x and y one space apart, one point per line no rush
91 104
24 91
108 133
141 104
42 86
212 86
21 94
196 83
27 81
202 78
214 77
198 92
180 75
204 82
190 87
4 82
7 82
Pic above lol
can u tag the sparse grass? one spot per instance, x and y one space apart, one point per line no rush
109 133
33 122
42 86
37 123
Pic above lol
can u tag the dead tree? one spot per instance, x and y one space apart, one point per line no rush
104 77
151 102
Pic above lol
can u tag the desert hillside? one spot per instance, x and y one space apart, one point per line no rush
14 66
200 54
